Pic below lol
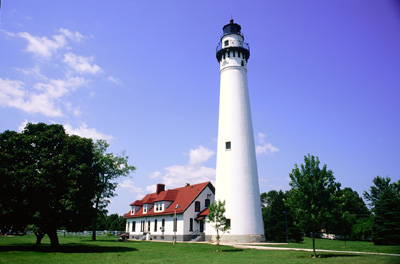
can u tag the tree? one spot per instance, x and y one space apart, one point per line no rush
63 181
313 197
384 199
13 168
217 216
109 168
352 220
51 178
274 217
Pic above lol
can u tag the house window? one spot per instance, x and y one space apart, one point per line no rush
163 223
197 206
128 227
228 145
133 210
155 225
133 226
191 224
207 203
141 226
148 226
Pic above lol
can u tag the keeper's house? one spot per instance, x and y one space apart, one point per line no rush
153 216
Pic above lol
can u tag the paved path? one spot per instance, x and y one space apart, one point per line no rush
259 247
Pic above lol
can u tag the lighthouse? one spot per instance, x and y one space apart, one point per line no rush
236 173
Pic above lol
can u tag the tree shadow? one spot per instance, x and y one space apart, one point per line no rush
67 248
232 250
330 256
227 250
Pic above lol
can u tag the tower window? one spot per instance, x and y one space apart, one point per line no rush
226 43
234 53
242 63
228 222
228 145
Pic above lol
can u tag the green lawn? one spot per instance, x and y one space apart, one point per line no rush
359 246
107 250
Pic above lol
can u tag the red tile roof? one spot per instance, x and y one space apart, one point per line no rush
137 202
184 196
203 214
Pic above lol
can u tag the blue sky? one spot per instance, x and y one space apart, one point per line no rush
324 79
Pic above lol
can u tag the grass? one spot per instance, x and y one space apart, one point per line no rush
107 250
358 246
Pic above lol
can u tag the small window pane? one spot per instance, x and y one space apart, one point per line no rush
228 145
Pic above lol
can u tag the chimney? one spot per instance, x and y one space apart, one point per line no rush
187 184
160 188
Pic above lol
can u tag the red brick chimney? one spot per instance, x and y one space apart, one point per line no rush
160 188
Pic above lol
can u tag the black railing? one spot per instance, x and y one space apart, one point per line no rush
242 44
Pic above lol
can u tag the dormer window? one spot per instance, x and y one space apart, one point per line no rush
133 210
159 207
145 208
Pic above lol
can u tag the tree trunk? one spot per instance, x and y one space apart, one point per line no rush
313 244
52 233
94 226
217 241
39 235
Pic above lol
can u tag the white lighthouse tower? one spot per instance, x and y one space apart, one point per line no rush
237 177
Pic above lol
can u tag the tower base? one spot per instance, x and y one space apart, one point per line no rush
227 238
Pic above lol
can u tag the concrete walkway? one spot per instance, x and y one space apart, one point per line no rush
259 247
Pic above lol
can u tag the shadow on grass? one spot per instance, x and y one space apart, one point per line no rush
329 256
232 250
67 248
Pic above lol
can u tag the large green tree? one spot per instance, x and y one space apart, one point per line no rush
109 168
384 199
277 216
313 196
52 176
354 219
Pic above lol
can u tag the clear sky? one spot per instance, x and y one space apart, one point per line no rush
324 79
